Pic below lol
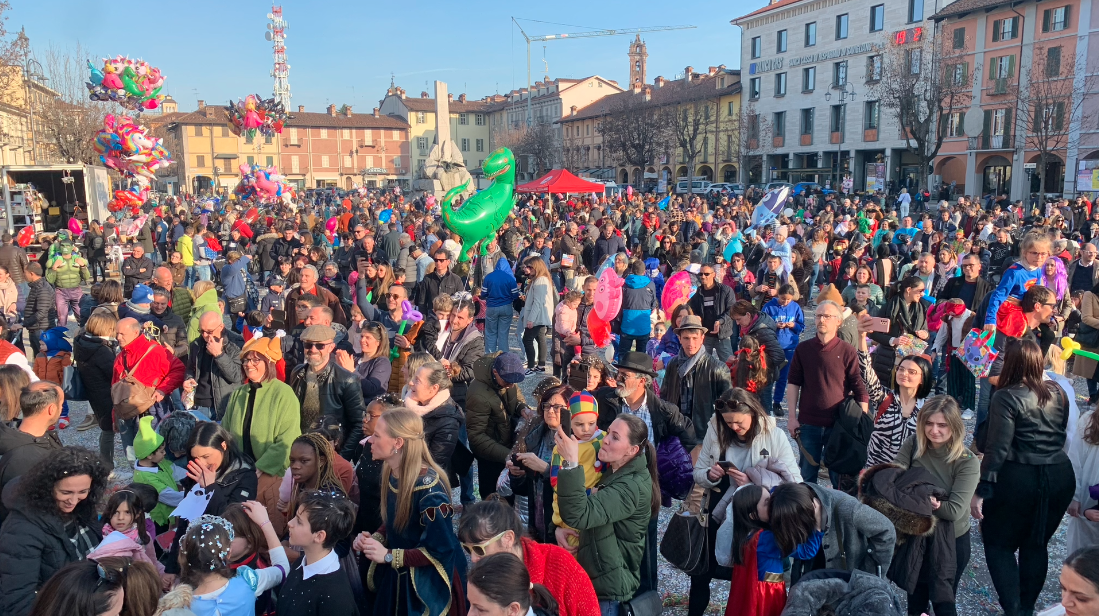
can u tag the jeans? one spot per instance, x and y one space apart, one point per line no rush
202 272
813 439
984 396
780 383
530 336
498 328
917 601
609 608
629 342
189 277
723 346
97 268
67 298
903 209
21 303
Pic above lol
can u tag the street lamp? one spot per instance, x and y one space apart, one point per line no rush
844 91
32 72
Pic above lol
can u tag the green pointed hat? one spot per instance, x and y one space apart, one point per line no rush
147 440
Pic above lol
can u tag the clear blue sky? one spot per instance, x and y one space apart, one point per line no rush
343 52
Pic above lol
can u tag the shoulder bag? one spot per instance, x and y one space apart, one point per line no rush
73 385
130 396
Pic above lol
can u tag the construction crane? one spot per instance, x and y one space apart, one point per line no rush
575 35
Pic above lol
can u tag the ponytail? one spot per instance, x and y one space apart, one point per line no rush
541 598
638 434
503 579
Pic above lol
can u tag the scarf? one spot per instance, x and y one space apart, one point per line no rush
423 409
686 386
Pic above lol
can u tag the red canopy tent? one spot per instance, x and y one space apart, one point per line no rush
560 181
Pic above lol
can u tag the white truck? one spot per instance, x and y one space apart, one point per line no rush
63 191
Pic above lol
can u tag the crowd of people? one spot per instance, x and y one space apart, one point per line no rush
321 411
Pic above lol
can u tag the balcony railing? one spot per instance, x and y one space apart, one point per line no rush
992 142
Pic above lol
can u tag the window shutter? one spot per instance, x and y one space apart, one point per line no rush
1068 13
1014 27
1011 65
965 72
1047 15
1059 116
987 130
996 30
992 73
1009 128
1038 125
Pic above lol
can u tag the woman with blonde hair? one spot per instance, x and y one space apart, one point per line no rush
374 367
536 317
94 353
382 283
414 562
12 380
938 446
206 300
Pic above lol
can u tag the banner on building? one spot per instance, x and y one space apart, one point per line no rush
875 176
1087 176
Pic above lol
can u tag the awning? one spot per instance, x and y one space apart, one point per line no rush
559 181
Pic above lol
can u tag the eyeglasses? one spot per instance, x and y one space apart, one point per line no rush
316 346
479 548
827 316
555 408
253 360
1054 305
706 274
394 296
910 371
969 265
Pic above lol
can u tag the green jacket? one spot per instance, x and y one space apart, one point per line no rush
276 422
489 413
161 480
182 302
72 273
204 303
613 523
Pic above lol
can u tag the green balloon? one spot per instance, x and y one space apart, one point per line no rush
478 218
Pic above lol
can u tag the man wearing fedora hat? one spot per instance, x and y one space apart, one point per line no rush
694 379
325 388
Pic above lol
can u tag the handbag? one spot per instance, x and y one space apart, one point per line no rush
130 396
977 352
1088 336
673 464
73 385
686 543
238 304
648 603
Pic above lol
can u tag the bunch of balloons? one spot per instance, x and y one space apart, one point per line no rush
133 198
263 185
131 83
265 115
125 146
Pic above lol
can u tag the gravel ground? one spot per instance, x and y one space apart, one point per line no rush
976 596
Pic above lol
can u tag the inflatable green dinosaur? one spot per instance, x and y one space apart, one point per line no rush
478 218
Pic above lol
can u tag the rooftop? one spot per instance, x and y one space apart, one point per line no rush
216 115
773 6
664 92
962 7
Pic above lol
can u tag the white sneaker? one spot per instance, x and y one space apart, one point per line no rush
967 415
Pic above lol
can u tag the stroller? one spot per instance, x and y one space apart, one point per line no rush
835 592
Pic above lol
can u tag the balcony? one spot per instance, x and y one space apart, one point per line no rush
992 142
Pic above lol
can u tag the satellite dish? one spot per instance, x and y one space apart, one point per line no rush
267 35
269 26
974 122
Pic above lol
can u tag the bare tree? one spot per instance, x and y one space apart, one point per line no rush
919 83
68 121
636 130
539 144
750 136
1047 104
690 123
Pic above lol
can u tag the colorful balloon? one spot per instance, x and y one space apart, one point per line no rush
599 330
331 224
255 114
25 236
677 290
478 217
76 227
132 84
127 147
263 185
608 295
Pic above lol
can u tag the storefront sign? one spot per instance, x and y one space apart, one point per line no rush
834 53
764 66
875 176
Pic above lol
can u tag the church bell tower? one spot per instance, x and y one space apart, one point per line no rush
638 56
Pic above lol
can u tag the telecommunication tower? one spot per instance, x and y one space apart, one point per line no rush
276 33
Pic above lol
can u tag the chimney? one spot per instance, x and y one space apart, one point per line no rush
301 108
462 97
648 90
201 104
450 97
636 87
375 112
712 70
688 73
423 94
347 111
572 110
658 82
331 110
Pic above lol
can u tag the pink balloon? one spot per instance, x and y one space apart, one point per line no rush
76 227
608 295
331 224
677 290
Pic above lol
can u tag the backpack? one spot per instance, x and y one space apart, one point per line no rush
97 242
846 449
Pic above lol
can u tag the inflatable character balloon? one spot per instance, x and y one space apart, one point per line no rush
481 215
677 290
608 302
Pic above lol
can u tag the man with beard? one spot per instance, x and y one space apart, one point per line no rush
567 254
287 245
635 395
326 389
439 282
335 283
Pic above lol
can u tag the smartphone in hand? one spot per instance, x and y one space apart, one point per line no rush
879 325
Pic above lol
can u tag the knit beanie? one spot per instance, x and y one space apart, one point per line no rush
147 440
829 292
582 402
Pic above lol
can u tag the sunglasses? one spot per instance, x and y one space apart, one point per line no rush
479 548
556 408
726 406
316 346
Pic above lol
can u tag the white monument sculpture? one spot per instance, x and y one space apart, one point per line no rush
445 167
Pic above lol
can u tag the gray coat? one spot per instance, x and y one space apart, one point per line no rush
227 375
861 594
855 535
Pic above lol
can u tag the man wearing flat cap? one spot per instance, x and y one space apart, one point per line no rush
694 379
325 388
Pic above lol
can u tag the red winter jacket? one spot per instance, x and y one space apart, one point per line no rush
556 569
159 369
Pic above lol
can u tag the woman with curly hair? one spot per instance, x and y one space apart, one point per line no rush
52 523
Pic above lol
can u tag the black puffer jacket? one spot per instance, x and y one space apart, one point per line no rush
341 397
225 371
904 320
442 426
238 485
94 357
666 418
765 331
709 378
33 546
40 312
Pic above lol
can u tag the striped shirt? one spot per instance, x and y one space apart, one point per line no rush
892 428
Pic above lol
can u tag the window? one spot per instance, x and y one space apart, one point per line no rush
807 121
915 10
873 68
780 84
294 164
463 119
877 18
479 119
225 131
268 140
913 58
421 143
780 41
270 161
1005 29
368 137
397 161
345 133
998 121
958 74
732 109
1055 20
1053 62
780 123
810 34
835 121
954 125
706 113
347 162
250 139
396 135
198 131
808 79
251 160
324 133
757 47
839 73
841 27
587 129
200 161
324 161
1053 117
421 118
753 128
1002 67
959 38
871 115
293 136
753 88
465 144
369 161
480 145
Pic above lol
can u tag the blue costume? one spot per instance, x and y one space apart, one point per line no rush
1014 283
